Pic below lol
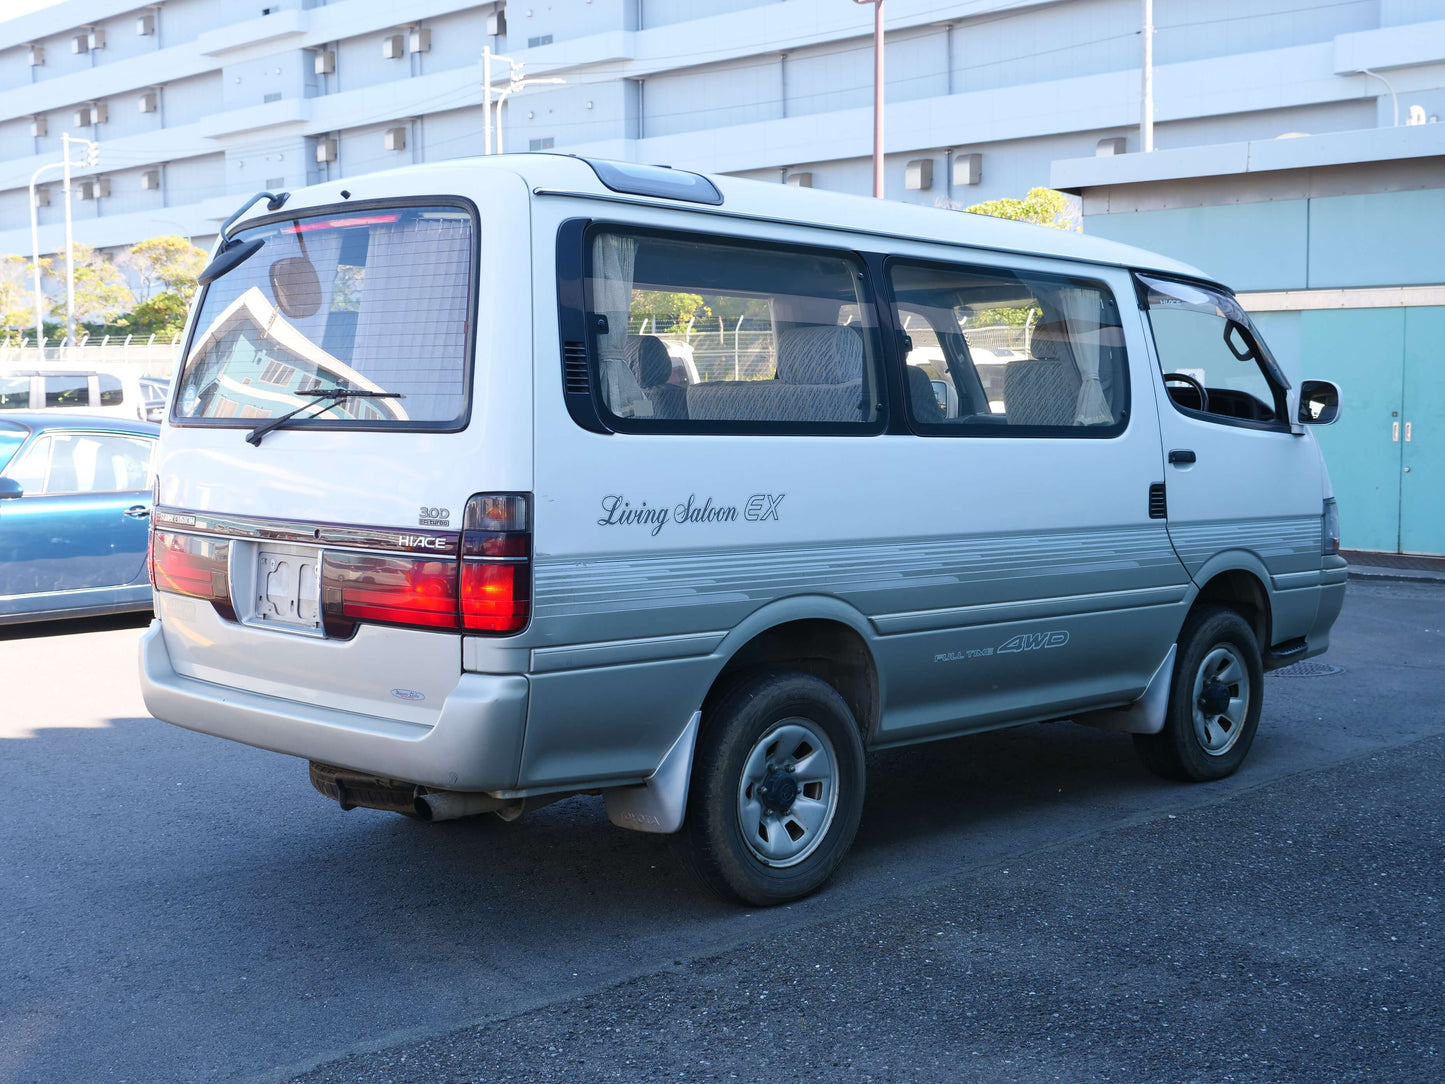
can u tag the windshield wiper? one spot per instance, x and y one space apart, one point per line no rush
325 398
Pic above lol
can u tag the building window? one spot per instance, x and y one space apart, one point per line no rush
546 143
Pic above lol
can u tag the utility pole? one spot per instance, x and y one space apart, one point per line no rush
1146 107
877 95
515 82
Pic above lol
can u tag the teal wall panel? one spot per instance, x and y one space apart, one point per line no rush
1422 477
1246 246
1363 351
1379 239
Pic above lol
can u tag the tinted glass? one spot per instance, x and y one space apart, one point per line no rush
14 392
96 463
992 351
67 391
377 301
720 333
111 393
1204 338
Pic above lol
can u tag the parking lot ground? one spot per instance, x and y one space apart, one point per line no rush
177 908
1290 933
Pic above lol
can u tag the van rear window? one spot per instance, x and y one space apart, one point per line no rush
373 300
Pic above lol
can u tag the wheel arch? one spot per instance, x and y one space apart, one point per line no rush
1237 579
815 634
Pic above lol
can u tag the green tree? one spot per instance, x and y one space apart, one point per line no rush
1042 206
17 293
162 314
670 311
101 291
167 264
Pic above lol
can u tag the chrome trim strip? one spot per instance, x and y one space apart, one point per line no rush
996 612
352 536
621 652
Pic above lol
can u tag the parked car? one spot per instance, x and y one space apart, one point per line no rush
75 501
433 518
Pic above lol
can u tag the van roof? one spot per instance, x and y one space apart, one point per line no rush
563 174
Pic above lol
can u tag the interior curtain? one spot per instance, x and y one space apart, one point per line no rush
1081 311
613 261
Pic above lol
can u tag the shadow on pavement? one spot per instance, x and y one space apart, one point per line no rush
32 630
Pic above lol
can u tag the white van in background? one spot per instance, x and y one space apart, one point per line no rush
435 515
84 390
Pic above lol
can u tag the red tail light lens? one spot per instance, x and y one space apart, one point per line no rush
496 588
390 590
183 564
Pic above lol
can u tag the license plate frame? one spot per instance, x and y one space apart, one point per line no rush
287 588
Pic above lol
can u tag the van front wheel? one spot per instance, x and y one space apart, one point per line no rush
777 789
1214 700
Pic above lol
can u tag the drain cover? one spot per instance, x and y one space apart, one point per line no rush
1307 669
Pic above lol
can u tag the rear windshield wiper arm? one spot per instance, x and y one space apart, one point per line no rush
325 398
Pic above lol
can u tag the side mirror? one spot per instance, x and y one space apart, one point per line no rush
10 489
1319 402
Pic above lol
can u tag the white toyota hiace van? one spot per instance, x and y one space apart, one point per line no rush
440 511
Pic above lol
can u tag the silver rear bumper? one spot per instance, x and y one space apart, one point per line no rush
476 743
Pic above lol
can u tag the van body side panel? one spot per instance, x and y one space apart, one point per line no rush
918 536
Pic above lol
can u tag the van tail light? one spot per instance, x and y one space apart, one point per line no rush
1330 529
486 588
496 581
418 591
183 564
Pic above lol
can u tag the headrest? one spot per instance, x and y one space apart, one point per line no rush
650 361
820 355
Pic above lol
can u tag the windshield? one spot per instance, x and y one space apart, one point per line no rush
374 301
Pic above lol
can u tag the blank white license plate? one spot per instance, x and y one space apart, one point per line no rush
288 587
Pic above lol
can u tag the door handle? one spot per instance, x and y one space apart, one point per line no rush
137 511
1394 432
1407 432
1181 455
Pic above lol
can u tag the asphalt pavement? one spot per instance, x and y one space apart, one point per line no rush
1023 905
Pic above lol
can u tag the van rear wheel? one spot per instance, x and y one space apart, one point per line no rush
1215 699
777 789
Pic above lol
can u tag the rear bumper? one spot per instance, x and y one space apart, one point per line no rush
475 744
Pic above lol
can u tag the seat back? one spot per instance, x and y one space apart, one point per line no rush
819 379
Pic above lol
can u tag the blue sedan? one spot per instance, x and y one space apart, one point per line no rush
74 510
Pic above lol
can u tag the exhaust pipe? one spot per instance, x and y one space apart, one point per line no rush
449 805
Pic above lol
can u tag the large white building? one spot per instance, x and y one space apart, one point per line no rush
199 103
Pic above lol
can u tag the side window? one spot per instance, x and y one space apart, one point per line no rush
67 391
14 392
1213 363
998 352
31 466
111 393
96 463
729 335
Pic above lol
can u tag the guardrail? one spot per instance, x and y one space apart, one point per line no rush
152 355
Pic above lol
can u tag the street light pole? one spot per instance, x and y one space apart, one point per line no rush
35 260
877 95
1146 107
69 247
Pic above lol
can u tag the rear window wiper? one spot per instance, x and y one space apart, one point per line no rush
325 398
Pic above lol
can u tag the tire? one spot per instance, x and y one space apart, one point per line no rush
793 735
1218 666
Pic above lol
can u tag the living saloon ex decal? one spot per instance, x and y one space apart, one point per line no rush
618 511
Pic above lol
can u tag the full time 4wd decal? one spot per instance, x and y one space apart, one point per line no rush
1024 641
620 511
